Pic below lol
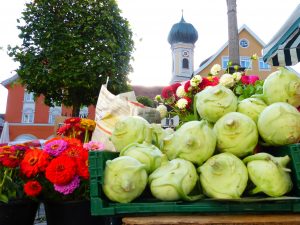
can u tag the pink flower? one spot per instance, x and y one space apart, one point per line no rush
251 79
94 145
68 188
56 147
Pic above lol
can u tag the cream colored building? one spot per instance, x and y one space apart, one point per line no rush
249 44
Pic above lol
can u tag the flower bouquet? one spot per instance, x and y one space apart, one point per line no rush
178 98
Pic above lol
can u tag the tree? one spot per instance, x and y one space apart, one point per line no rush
70 48
233 36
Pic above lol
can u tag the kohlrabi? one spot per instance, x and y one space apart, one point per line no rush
282 86
145 153
214 102
194 141
174 180
269 174
159 133
279 124
129 130
251 107
125 178
236 133
223 176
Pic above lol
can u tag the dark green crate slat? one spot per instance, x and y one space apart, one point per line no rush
100 205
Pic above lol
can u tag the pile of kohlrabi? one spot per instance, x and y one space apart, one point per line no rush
215 156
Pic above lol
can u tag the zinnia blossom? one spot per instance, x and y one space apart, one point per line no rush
72 120
94 145
32 188
35 161
9 157
83 165
61 170
88 124
56 147
68 188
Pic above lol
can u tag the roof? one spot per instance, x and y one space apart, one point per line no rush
206 62
10 80
183 32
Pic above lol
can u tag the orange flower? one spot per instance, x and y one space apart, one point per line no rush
35 161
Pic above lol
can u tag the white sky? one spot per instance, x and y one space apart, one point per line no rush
151 21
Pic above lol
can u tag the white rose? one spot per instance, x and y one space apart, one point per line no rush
215 69
227 80
180 92
182 103
162 109
237 76
196 80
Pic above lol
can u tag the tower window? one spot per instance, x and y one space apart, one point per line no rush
185 63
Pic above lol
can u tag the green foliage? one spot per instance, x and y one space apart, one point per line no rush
70 48
246 91
146 101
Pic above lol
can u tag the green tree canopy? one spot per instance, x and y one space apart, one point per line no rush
69 49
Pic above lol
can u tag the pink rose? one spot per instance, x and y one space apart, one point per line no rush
251 79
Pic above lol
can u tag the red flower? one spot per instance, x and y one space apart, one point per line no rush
189 102
251 79
209 81
61 170
175 86
72 120
35 161
32 188
167 92
187 86
64 129
73 142
299 108
83 165
9 156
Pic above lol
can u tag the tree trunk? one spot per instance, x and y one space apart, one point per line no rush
75 110
233 36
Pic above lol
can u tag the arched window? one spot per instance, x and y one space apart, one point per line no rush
84 111
185 63
54 112
28 115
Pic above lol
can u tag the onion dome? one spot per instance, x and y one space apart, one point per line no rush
183 32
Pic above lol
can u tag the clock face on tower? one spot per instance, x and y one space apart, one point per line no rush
185 53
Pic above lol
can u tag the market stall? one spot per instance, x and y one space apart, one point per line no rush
284 47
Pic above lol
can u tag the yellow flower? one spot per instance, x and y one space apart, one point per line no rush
88 124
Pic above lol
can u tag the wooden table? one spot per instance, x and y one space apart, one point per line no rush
266 219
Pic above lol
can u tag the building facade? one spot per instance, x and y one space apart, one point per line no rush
249 44
30 118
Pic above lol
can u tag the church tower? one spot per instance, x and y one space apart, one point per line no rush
182 38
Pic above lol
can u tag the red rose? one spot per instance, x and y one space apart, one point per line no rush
187 86
167 92
175 86
189 102
32 188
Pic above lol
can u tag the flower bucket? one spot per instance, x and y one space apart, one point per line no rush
18 212
70 213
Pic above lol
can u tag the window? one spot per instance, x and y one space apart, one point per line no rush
262 65
245 62
28 97
244 43
84 111
28 116
53 114
225 60
185 63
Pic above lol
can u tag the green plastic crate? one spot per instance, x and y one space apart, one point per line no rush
147 205
293 151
